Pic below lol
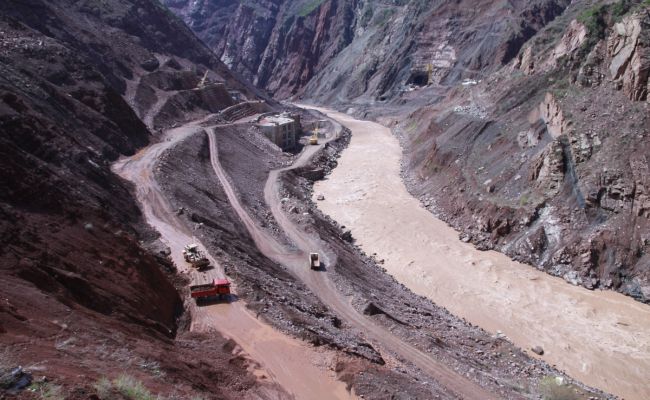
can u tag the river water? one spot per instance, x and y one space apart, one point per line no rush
601 338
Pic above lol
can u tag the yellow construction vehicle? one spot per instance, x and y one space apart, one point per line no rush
313 140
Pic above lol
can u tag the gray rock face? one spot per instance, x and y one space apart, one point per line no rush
629 50
345 49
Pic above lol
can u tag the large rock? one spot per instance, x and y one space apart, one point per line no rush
629 50
573 38
548 171
551 113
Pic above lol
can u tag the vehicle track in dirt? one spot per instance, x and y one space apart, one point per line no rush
320 284
290 363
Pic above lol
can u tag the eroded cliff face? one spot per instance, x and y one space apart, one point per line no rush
628 47
342 50
552 171
278 45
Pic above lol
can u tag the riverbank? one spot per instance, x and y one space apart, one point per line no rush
600 338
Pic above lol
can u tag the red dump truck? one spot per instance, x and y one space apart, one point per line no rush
215 290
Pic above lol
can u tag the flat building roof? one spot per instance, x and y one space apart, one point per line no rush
275 120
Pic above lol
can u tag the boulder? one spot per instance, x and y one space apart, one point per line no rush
150 65
628 48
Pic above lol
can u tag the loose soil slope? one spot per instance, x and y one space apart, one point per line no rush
81 297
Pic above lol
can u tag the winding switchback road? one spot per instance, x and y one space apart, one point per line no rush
290 363
320 284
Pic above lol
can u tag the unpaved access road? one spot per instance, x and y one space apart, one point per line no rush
319 282
601 338
298 368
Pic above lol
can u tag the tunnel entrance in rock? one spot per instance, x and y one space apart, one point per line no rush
418 78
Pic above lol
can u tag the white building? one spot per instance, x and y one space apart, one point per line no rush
282 129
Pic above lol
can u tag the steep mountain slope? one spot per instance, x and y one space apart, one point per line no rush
355 48
545 160
523 123
81 297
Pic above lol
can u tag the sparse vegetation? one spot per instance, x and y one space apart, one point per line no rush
382 18
309 7
367 15
153 367
412 126
128 388
103 388
6 365
594 20
598 18
523 200
47 391
126 385
554 389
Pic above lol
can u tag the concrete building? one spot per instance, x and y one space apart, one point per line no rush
282 129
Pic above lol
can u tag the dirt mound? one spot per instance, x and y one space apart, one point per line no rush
172 80
187 105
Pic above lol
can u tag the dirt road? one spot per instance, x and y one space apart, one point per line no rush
319 282
601 338
298 368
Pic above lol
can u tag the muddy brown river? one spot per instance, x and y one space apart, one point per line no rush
601 338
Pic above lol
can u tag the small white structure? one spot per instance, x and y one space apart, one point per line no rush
282 129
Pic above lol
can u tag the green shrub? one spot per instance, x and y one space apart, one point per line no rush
598 18
104 387
523 200
594 20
